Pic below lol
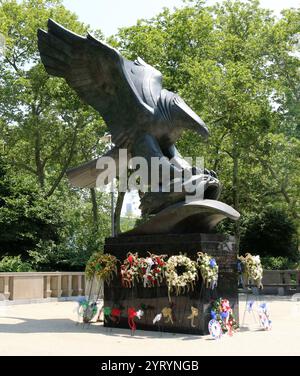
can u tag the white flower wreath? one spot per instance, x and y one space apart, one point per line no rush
252 269
186 279
209 269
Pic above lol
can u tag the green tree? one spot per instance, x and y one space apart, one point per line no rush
235 64
270 233
25 217
44 130
232 63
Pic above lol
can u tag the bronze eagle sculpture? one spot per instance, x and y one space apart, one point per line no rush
142 116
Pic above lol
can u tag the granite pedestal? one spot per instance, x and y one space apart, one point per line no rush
153 300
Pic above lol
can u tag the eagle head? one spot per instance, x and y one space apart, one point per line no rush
174 110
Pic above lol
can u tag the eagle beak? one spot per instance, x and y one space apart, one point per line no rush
201 128
190 119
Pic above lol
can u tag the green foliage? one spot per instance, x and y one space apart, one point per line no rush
14 264
26 218
235 63
278 263
128 223
238 66
270 233
44 130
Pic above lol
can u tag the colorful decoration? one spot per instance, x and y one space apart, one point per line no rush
132 314
251 270
193 315
181 274
215 329
87 310
222 312
116 315
157 318
153 269
250 306
101 265
168 315
106 313
208 269
130 270
110 314
264 316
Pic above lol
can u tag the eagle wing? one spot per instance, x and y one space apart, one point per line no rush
100 76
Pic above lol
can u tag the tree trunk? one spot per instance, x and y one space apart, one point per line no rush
65 166
117 213
94 208
236 193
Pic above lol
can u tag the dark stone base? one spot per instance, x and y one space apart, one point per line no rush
217 245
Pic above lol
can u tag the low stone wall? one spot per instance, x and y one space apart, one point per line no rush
40 285
281 282
30 286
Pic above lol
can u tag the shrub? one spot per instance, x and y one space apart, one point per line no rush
270 233
26 217
277 263
14 264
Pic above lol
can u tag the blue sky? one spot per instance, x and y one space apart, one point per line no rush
109 15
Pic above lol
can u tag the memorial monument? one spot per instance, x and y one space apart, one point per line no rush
145 120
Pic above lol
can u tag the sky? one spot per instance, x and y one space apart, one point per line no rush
109 15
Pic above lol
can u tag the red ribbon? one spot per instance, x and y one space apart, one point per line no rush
131 316
116 312
229 326
115 315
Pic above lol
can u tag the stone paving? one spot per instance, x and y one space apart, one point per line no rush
52 329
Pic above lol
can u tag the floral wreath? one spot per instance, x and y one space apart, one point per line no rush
223 314
87 310
208 269
152 269
130 270
101 265
183 279
251 269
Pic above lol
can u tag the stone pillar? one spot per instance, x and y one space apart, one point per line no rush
59 290
6 292
69 288
79 285
48 290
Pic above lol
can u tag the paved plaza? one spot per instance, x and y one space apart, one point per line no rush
52 329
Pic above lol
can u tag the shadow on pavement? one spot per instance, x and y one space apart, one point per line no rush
69 326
